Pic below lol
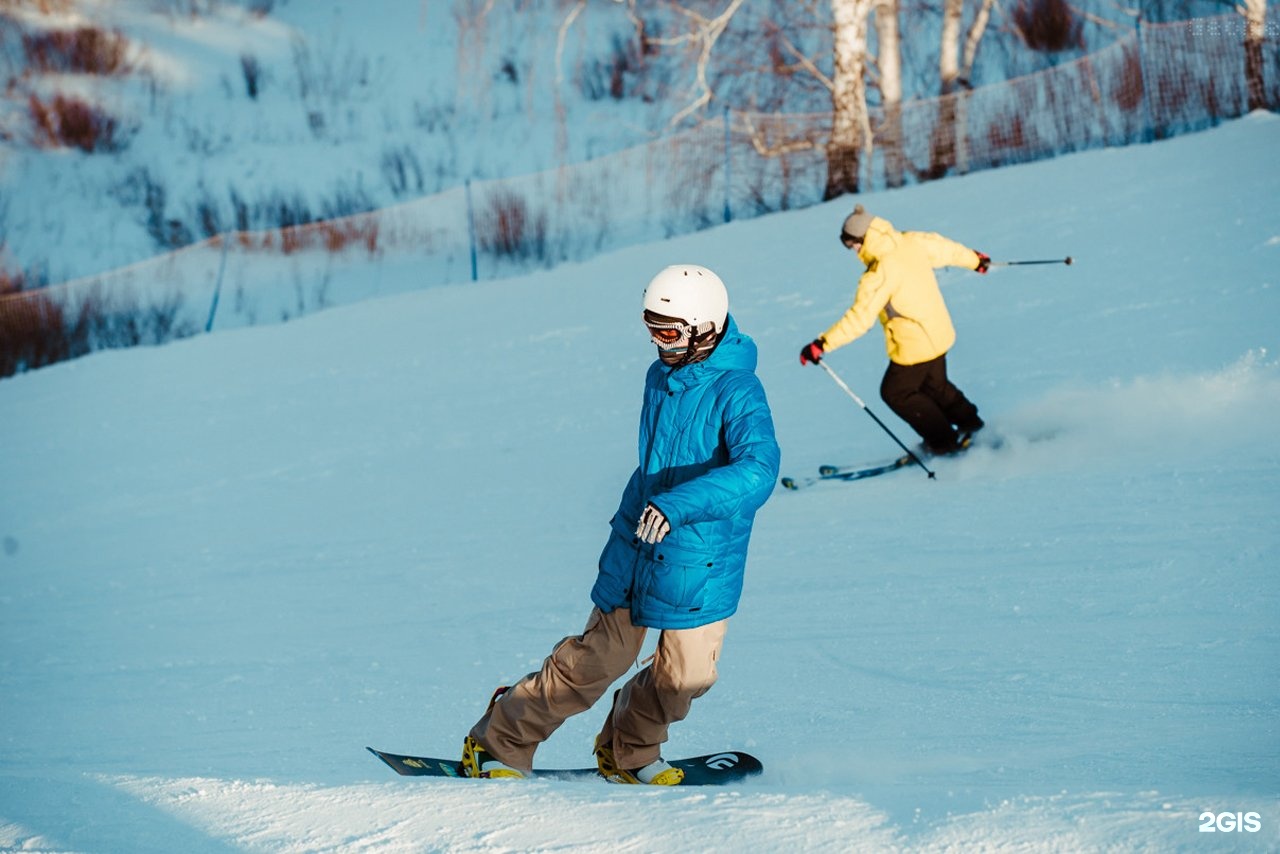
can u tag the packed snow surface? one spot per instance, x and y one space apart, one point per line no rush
232 562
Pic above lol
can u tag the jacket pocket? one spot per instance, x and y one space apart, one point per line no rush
677 578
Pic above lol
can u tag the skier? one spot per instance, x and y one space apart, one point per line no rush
900 289
675 556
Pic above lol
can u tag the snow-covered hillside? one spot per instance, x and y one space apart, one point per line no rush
228 119
230 563
244 115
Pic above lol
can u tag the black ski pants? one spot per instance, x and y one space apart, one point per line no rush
922 396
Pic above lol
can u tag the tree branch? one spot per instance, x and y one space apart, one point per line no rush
765 150
806 63
706 31
565 26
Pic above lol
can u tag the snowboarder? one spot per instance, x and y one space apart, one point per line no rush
675 556
900 289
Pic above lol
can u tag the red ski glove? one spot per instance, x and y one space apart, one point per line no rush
984 262
812 352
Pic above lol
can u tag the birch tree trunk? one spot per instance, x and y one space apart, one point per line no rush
971 42
949 56
1255 16
976 31
850 125
948 150
890 65
942 154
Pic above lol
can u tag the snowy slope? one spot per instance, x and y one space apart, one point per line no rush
230 563
355 108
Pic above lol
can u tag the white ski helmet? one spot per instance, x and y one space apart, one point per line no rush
691 293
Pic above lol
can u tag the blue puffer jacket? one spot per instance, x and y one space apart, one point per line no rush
708 461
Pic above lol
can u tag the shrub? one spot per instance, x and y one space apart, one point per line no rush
252 71
1048 26
1006 135
346 200
208 214
32 333
21 280
85 50
402 171
120 320
68 121
40 325
506 228
31 324
337 235
1127 84
331 235
613 77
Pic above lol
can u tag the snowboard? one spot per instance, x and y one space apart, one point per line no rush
713 769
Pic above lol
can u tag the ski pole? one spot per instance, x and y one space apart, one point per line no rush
858 401
1066 261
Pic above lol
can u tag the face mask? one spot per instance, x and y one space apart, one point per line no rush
678 342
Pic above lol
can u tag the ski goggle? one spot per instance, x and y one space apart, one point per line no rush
849 240
667 332
666 335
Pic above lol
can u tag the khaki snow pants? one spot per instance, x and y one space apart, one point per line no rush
579 671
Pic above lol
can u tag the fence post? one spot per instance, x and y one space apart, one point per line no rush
217 288
471 230
728 160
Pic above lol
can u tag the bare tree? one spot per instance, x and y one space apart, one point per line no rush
702 24
562 118
947 147
700 35
976 30
1255 16
851 139
850 122
889 65
949 56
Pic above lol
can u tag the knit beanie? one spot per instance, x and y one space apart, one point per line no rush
855 225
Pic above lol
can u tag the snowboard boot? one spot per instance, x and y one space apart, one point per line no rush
658 773
478 762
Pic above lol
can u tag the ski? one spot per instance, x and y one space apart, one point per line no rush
858 472
988 440
846 473
713 769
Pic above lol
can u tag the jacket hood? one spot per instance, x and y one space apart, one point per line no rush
881 239
735 352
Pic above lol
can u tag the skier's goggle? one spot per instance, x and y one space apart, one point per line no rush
666 330
849 240
666 335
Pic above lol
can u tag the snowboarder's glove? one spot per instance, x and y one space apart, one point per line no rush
812 352
653 525
984 262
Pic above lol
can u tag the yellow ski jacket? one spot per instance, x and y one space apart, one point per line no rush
899 289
